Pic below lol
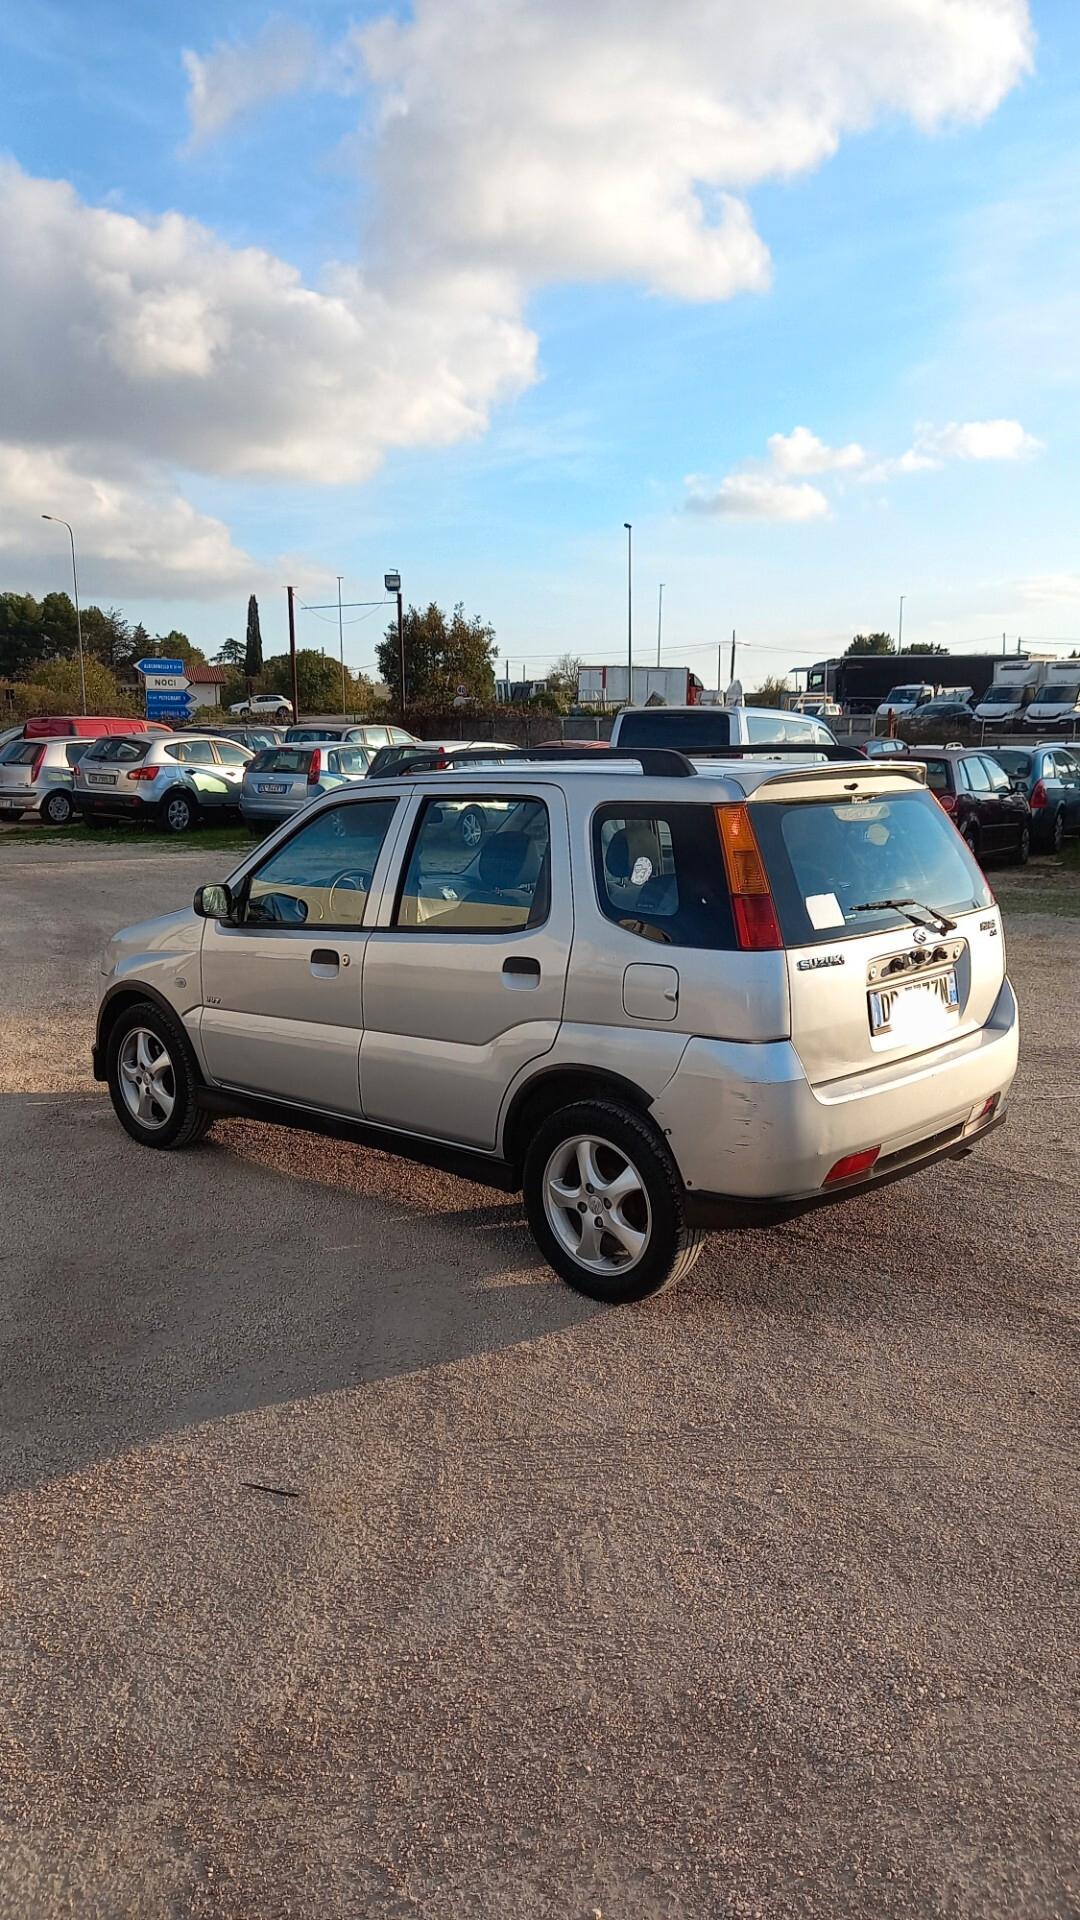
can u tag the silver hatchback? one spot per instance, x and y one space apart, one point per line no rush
281 780
38 776
171 781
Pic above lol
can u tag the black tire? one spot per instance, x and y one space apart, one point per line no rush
57 809
178 812
1023 847
187 1122
671 1247
971 835
1056 838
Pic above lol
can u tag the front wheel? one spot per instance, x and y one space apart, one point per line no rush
57 810
1057 832
605 1203
152 1079
177 813
971 835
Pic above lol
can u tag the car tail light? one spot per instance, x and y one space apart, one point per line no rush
314 767
35 763
1038 795
946 800
756 926
143 773
851 1164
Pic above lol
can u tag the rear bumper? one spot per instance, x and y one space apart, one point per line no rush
266 813
122 804
745 1125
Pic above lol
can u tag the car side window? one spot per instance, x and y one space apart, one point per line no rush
978 778
503 886
660 874
321 876
231 756
1065 766
193 753
762 730
997 776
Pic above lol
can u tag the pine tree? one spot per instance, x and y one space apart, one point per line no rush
253 656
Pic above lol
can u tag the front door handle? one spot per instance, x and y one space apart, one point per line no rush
324 963
521 971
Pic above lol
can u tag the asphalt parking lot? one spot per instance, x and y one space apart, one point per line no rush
352 1566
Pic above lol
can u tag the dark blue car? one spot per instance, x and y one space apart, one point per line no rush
1050 776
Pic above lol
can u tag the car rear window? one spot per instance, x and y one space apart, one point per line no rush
21 753
118 747
659 873
938 776
74 751
1016 764
281 760
697 729
827 860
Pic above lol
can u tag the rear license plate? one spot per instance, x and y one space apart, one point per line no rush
918 1007
11 804
101 779
274 786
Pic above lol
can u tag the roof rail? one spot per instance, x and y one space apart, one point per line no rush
662 761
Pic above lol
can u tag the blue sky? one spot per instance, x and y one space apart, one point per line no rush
922 302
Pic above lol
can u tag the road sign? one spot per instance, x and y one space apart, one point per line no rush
170 706
159 666
165 683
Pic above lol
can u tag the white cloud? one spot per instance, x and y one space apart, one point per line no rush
135 533
1051 589
237 76
755 496
614 140
802 452
959 440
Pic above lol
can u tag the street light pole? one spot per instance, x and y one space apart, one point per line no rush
659 621
341 644
900 633
392 584
78 615
629 612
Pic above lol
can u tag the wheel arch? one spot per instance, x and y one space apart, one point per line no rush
118 1001
560 1086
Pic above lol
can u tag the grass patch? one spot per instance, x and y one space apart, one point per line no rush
223 839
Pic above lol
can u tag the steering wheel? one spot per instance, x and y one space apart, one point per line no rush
347 883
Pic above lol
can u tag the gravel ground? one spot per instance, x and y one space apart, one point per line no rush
351 1566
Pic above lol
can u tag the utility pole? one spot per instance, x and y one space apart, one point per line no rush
629 612
292 654
659 621
733 653
719 671
900 633
341 644
78 615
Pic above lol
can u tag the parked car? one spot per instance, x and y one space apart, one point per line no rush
170 783
86 726
281 780
359 733
980 799
944 714
905 700
1050 776
705 729
885 748
654 996
253 737
38 776
264 706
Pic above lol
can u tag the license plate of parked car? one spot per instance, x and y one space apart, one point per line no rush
918 1006
272 786
102 779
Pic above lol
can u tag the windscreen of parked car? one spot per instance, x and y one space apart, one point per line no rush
1001 695
1016 764
828 859
119 747
281 760
322 875
1058 694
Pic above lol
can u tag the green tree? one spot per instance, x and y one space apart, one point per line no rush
771 693
872 643
231 654
253 653
563 677
318 680
57 688
926 647
441 656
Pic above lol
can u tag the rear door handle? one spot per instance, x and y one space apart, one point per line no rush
520 971
324 963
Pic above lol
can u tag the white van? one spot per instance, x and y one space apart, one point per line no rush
1057 702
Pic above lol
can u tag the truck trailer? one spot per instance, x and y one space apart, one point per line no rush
653 687
861 681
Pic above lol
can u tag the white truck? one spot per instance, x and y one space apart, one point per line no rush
653 687
1015 686
1057 701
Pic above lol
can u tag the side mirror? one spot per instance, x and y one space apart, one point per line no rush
214 903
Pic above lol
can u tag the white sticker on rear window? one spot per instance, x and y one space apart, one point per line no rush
642 871
824 910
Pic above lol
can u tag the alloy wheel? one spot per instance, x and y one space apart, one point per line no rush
147 1078
596 1205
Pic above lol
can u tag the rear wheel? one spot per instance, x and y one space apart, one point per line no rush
971 835
56 809
605 1203
177 812
152 1079
1023 846
1057 832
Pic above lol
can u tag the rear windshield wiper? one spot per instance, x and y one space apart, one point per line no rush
933 917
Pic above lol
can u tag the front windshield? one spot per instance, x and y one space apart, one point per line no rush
1001 696
1058 694
905 693
826 859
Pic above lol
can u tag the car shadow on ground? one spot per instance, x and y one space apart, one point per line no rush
144 1293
